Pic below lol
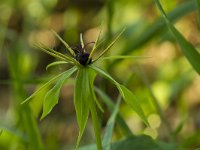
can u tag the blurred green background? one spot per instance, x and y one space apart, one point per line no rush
166 78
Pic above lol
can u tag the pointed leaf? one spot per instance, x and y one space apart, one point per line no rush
81 100
56 63
187 48
106 75
128 96
52 96
45 85
133 101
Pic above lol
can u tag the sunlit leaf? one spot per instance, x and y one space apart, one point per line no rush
81 98
55 63
45 85
16 132
127 95
133 101
52 96
136 143
187 48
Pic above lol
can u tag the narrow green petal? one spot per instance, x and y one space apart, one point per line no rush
66 45
95 45
110 45
81 40
56 63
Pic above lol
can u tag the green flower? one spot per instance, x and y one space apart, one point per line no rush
85 100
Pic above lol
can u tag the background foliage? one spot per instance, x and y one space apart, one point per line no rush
166 84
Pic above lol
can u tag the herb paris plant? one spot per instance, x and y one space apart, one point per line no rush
85 100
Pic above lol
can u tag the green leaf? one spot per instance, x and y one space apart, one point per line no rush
187 48
14 131
152 30
81 100
45 85
132 100
56 63
110 127
106 75
52 96
127 95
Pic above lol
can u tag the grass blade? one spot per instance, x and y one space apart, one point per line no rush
154 29
187 48
110 127
111 106
52 96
